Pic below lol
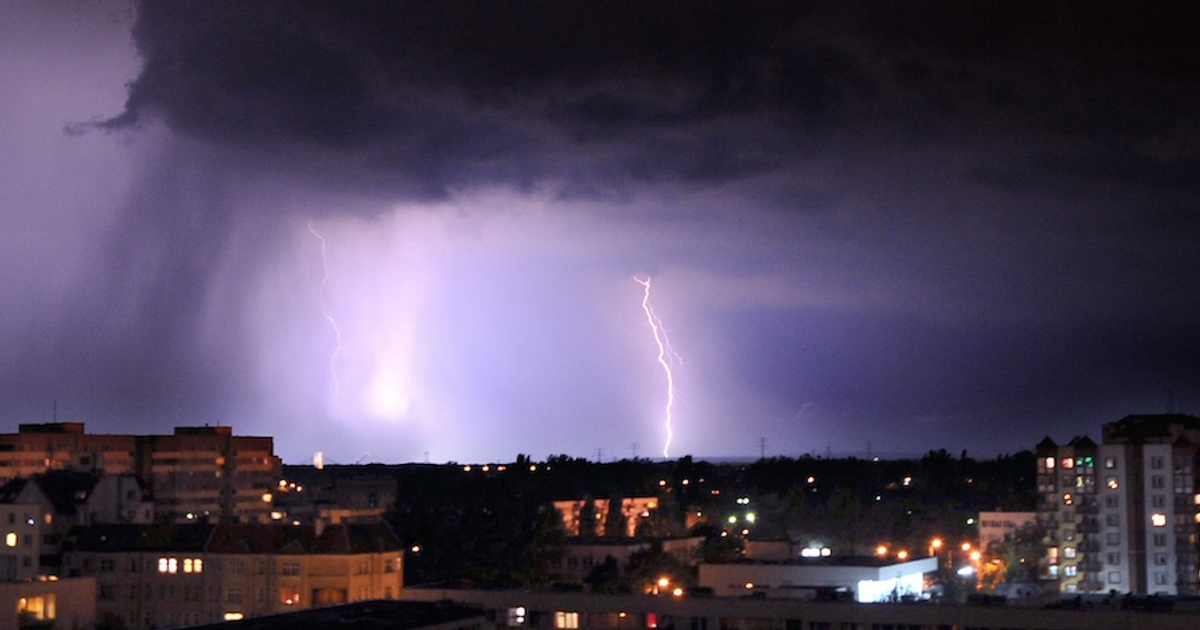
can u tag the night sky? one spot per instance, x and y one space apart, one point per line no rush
918 225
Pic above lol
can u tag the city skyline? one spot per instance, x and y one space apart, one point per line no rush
408 232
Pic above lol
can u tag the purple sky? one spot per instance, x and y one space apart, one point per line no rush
920 225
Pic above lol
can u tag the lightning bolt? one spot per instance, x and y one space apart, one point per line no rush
337 332
665 356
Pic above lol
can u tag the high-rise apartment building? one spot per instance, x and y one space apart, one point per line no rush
1123 515
197 473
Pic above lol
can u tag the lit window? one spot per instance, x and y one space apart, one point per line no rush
168 565
289 596
1068 552
1068 463
233 616
1112 483
10 539
1049 462
516 616
568 620
1067 499
193 565
1158 520
37 608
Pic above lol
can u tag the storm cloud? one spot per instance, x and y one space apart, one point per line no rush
974 214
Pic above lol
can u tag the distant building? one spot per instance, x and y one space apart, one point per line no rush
1002 527
632 511
523 609
170 575
1123 515
197 473
371 615
59 500
861 579
21 526
580 556
48 604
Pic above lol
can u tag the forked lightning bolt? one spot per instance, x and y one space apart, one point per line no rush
665 356
337 332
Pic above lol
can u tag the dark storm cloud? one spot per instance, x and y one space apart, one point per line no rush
1006 186
592 95
452 93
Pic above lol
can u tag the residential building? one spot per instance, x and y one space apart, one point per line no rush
524 609
166 575
48 604
370 615
37 448
1002 527
633 510
21 547
201 473
580 556
197 473
860 579
1122 515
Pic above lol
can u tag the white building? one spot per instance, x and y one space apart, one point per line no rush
865 579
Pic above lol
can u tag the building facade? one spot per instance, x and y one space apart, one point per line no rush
179 575
194 474
1123 515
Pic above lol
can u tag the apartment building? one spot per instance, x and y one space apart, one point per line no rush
1123 515
170 575
194 474
37 448
633 510
201 473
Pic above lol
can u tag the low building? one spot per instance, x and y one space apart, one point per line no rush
862 579
370 615
633 510
177 575
48 604
1002 527
523 609
580 556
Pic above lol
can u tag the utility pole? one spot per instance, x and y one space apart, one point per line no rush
633 447
762 448
599 456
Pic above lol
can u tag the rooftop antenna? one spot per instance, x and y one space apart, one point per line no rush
55 410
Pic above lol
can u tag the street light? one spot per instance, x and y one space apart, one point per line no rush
934 545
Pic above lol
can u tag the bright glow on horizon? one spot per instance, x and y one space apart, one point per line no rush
664 351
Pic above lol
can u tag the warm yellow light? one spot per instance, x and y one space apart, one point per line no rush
10 539
975 555
903 555
267 497
937 543
663 582
678 592
233 616
966 546
881 550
